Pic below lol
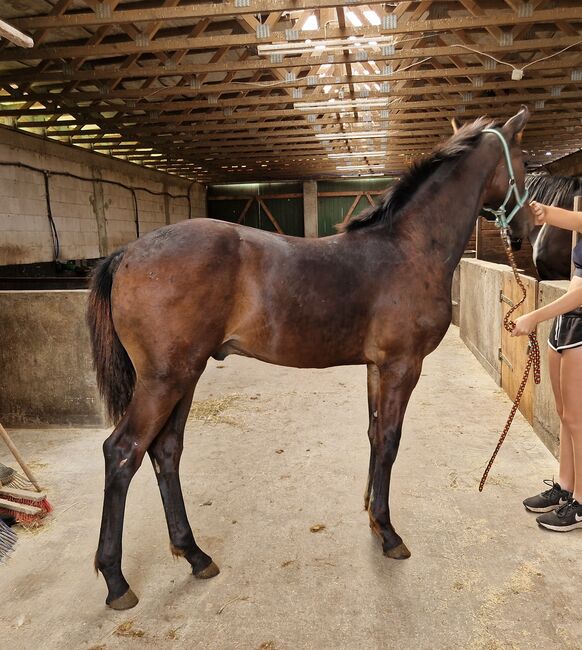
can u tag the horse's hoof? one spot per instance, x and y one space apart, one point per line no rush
208 572
127 601
399 552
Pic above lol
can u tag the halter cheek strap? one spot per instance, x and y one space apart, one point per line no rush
501 219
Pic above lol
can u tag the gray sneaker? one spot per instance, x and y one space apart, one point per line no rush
548 500
565 518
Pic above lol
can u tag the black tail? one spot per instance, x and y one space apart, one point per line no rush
115 372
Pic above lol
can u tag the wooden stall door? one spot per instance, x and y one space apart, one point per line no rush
513 353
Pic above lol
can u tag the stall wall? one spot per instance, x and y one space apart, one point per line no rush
47 376
481 323
92 217
480 312
546 422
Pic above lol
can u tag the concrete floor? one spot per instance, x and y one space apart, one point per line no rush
482 574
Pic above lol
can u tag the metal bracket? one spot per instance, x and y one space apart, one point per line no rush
505 299
504 359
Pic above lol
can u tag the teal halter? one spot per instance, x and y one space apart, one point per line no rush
501 220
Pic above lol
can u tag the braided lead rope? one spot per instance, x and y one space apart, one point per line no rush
533 356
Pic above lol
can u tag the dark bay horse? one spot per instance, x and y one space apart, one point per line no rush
552 246
160 307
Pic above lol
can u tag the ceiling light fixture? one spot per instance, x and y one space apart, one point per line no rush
355 154
352 135
328 45
336 106
348 168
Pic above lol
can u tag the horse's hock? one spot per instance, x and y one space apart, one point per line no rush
47 376
486 292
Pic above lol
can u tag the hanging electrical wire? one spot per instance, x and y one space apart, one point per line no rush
53 228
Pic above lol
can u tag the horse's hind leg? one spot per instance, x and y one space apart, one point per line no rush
165 452
152 404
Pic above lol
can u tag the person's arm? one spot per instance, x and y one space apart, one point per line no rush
528 322
550 214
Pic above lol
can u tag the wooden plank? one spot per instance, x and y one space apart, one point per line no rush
22 494
135 71
242 40
347 193
514 349
242 197
102 103
20 507
14 35
335 80
557 109
415 26
243 214
271 217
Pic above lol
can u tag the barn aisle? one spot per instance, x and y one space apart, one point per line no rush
273 454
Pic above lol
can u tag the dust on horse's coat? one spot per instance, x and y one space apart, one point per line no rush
378 294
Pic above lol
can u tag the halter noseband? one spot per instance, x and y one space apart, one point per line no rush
501 220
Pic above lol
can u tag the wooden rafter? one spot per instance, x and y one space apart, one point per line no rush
181 86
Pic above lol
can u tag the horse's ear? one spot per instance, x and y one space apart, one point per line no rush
455 124
515 125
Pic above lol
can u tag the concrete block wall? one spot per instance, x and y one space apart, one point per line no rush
25 234
92 218
45 359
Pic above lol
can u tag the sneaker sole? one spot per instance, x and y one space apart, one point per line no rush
544 509
561 529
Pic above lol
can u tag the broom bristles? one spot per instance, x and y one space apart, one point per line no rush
22 518
7 540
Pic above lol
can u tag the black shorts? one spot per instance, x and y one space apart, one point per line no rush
566 331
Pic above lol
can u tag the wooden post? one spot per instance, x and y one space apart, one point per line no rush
14 36
576 236
310 214
478 239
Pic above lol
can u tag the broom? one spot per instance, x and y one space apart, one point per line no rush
26 506
7 539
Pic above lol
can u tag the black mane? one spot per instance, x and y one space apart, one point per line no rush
397 196
554 190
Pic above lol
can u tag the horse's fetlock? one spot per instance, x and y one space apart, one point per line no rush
176 551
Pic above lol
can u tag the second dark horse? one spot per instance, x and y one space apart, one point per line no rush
162 306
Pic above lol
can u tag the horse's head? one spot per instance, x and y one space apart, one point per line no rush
497 189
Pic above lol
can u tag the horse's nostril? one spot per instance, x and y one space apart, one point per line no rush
515 244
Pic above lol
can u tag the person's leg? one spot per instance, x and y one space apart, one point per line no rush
557 494
569 516
566 471
571 389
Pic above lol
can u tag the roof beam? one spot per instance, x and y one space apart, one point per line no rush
226 9
240 40
100 74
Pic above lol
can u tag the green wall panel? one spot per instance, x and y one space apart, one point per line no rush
332 209
287 211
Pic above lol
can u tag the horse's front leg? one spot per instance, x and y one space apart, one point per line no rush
373 396
397 381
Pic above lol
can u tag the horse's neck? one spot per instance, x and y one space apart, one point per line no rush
446 207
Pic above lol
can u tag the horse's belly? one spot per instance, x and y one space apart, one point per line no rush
305 354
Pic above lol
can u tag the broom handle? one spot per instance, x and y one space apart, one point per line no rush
19 459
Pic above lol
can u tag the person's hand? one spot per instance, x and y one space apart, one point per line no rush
539 212
525 324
